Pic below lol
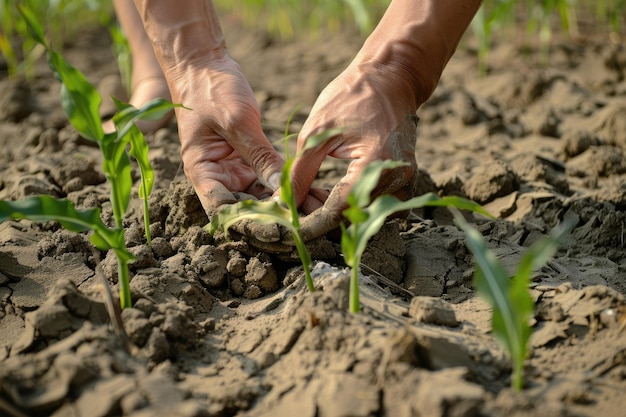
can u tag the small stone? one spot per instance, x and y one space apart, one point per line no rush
252 292
262 275
161 247
490 181
432 310
157 349
236 264
237 287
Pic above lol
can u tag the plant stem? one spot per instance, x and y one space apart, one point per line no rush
305 257
303 252
517 377
355 303
146 221
123 281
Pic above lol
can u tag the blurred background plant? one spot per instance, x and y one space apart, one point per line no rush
534 21
63 19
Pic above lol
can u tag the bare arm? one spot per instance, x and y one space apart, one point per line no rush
181 30
396 70
223 146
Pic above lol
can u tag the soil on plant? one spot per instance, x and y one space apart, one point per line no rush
219 328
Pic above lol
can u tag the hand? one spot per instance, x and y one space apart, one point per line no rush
396 70
375 108
223 147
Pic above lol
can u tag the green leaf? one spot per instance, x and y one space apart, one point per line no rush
155 109
45 208
34 27
139 151
79 98
271 212
367 221
362 190
286 189
264 212
321 138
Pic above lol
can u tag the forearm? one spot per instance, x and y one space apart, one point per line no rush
417 38
181 30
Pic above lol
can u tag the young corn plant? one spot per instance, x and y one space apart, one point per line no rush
367 218
491 15
81 101
509 297
268 212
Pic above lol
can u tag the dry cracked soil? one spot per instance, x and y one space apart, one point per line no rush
218 328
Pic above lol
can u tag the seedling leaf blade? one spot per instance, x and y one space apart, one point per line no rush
264 212
542 251
362 190
139 151
286 190
155 109
34 27
321 138
45 208
79 98
366 220
492 283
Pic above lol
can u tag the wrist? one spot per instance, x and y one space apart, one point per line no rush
183 31
415 39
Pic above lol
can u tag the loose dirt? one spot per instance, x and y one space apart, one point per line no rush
219 328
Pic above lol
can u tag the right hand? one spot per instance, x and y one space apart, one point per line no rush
375 109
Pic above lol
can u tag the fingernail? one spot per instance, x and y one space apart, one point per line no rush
274 181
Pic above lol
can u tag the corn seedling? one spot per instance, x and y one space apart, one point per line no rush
510 298
367 218
488 18
122 53
268 212
81 101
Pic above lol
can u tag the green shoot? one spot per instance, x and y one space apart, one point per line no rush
122 53
366 219
489 16
510 298
267 212
81 102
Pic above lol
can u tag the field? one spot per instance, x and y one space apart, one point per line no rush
534 130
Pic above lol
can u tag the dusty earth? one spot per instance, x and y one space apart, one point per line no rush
221 329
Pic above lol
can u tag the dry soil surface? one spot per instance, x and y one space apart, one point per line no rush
221 329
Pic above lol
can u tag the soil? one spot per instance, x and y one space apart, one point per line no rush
219 328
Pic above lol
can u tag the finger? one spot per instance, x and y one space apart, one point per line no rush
215 197
259 190
329 216
314 200
254 147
